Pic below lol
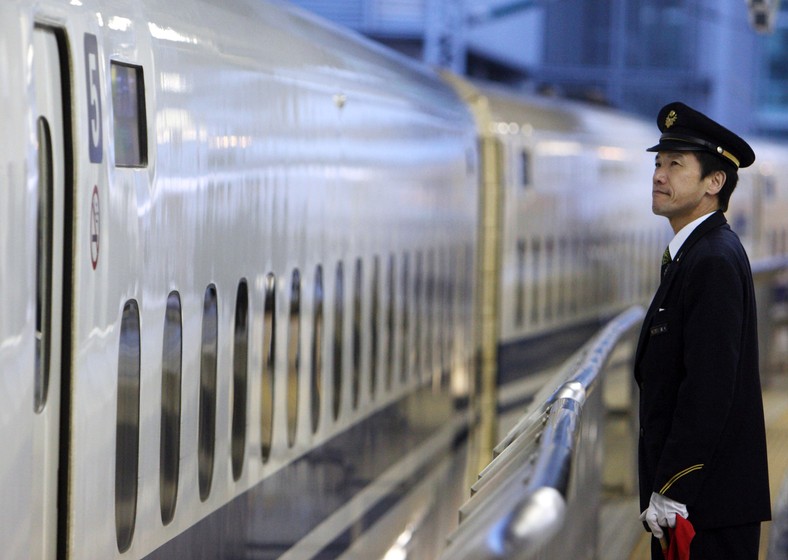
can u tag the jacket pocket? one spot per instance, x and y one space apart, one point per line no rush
662 323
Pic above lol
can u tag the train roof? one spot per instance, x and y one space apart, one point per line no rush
258 36
543 113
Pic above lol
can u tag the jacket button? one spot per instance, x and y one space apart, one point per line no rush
642 432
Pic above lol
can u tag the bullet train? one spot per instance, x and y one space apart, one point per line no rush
268 288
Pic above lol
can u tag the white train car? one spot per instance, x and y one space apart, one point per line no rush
569 238
569 234
759 204
236 295
254 266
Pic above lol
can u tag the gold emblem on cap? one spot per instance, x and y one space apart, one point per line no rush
670 120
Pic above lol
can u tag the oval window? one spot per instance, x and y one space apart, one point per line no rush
240 370
359 276
207 421
170 441
293 357
339 304
269 357
127 426
317 349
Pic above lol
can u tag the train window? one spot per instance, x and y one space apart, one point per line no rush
418 288
550 277
562 274
525 169
443 309
574 304
519 299
373 328
451 287
535 300
430 309
293 357
359 275
784 244
128 115
339 305
587 300
170 440
317 348
207 421
44 266
127 426
467 295
240 374
404 326
269 359
390 322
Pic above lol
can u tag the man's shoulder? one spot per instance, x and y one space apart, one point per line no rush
715 252
722 239
718 237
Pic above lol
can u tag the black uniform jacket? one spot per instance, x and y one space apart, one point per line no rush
702 435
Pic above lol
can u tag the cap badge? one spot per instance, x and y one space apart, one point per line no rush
670 120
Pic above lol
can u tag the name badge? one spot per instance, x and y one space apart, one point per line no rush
659 329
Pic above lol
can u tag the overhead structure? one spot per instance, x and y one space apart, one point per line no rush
763 14
444 34
447 23
485 13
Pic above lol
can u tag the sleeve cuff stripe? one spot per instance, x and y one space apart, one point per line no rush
679 475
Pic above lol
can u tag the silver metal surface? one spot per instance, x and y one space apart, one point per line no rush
543 505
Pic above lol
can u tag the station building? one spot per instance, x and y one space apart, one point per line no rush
725 57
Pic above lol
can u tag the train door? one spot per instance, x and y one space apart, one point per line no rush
51 275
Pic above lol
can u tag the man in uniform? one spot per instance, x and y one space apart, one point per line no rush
702 448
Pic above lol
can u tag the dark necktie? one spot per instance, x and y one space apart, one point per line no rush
665 261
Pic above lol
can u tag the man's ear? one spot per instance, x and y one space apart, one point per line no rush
716 181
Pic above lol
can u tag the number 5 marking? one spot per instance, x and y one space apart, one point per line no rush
93 83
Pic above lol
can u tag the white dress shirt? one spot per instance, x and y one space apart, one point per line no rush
683 234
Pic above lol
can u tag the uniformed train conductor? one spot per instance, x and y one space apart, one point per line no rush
702 447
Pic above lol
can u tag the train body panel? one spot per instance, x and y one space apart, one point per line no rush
574 183
567 228
759 204
306 192
17 281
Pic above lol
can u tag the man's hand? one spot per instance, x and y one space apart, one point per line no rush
661 512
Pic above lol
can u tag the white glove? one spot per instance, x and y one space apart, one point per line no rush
661 512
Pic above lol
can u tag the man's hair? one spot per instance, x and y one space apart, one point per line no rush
709 163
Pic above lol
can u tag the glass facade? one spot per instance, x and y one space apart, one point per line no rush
774 84
636 56
771 115
633 55
657 23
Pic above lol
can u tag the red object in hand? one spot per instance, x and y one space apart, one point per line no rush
680 538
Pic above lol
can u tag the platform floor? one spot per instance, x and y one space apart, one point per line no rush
621 536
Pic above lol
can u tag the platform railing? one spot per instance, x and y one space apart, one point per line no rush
771 283
532 500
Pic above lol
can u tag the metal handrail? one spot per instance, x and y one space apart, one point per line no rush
526 508
769 265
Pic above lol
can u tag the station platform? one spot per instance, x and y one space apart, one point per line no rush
621 535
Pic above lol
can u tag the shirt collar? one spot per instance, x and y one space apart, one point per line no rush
684 233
